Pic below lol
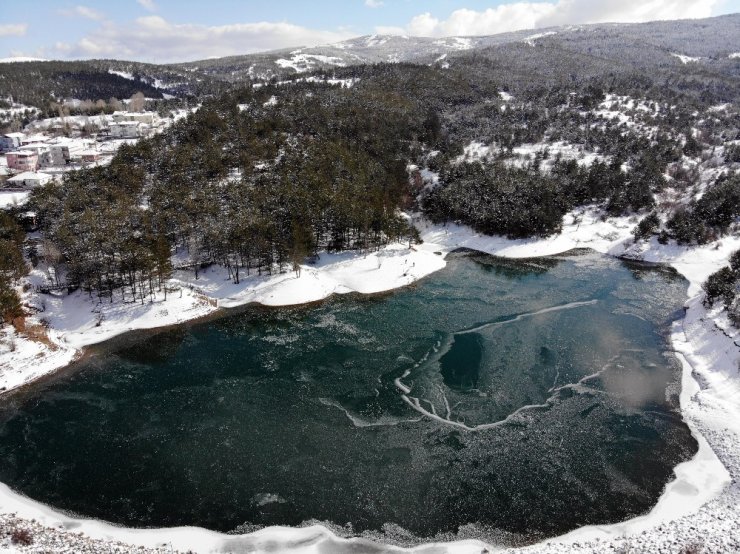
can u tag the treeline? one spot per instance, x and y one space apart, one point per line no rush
12 266
256 189
41 83
259 179
710 216
724 285
498 198
702 220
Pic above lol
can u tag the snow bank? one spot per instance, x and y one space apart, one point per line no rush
526 153
10 198
124 74
685 59
532 38
23 360
473 152
78 320
303 540
456 43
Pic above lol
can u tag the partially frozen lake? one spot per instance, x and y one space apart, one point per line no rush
519 399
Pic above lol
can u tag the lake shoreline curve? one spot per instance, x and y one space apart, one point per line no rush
701 506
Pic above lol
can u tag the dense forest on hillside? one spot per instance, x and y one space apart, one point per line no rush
97 86
256 189
265 175
39 83
12 266
259 179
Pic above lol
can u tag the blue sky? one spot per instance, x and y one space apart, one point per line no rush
179 30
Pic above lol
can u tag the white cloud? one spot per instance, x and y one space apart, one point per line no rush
13 29
83 11
148 5
374 3
529 15
153 38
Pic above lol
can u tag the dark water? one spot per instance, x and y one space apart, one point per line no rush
358 411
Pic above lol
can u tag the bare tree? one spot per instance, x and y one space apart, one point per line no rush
137 102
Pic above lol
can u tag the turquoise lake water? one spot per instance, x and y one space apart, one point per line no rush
513 399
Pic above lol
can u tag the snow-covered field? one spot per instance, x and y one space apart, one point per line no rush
301 62
699 507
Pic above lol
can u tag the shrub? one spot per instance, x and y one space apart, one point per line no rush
685 227
10 302
732 154
720 204
735 261
709 216
22 537
692 548
647 227
733 312
720 286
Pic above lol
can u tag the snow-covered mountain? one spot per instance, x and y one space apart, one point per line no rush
707 41
369 49
701 50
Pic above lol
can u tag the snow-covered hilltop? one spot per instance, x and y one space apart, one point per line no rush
664 43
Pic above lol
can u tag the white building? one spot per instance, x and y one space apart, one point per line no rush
29 179
33 139
125 129
10 141
142 117
64 150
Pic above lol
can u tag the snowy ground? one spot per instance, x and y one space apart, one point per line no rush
700 507
9 198
525 154
78 320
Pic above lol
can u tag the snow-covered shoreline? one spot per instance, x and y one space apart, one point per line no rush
710 398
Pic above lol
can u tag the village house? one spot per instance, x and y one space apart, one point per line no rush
90 156
144 117
42 152
10 141
28 179
65 151
33 139
148 118
23 160
125 129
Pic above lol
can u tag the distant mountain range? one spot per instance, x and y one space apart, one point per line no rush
696 49
706 41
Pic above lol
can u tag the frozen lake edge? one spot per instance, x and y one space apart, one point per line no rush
707 354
